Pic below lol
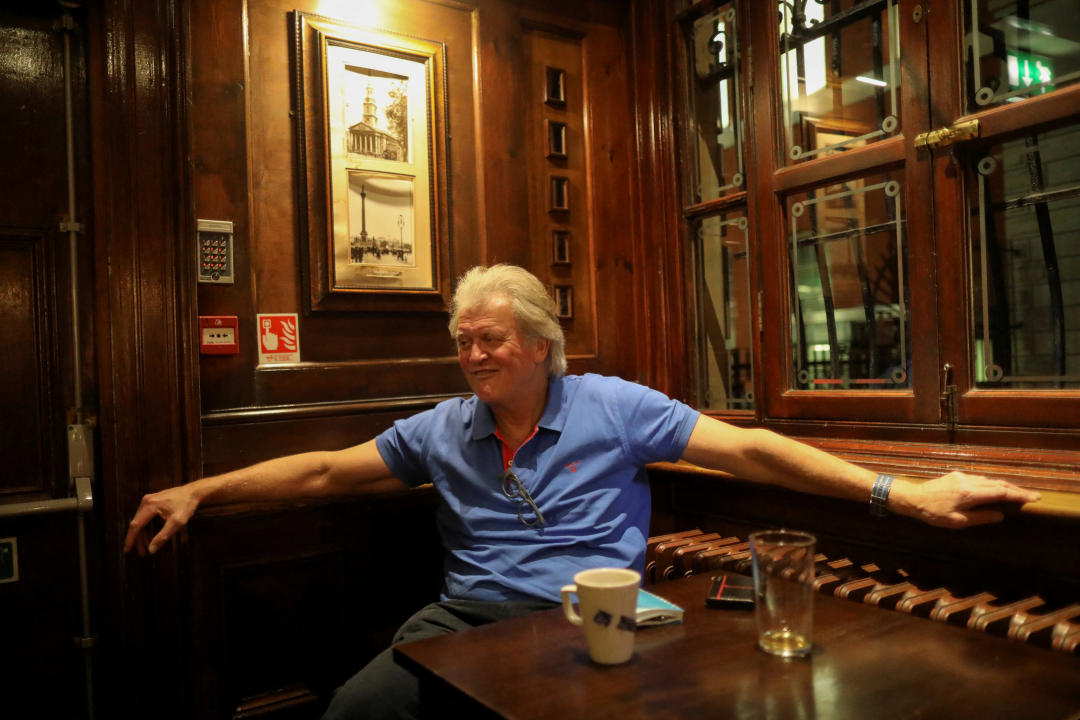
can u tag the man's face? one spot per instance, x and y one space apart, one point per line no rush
503 368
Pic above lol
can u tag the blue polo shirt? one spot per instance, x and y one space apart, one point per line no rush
584 467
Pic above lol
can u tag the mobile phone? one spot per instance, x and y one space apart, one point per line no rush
731 590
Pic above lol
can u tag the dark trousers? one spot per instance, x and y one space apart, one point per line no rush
384 689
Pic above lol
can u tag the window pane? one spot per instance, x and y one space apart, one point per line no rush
716 137
1025 249
1021 49
839 75
725 377
849 324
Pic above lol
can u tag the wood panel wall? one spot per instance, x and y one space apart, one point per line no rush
190 118
267 587
244 169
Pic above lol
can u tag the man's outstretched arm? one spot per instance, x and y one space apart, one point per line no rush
308 475
953 500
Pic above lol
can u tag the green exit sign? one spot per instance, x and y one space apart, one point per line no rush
9 560
1029 70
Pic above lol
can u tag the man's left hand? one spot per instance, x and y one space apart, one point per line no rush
957 500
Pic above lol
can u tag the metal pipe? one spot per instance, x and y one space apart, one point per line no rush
83 485
1045 223
85 499
38 507
825 277
1036 198
67 23
1050 257
869 305
801 33
850 232
81 504
801 358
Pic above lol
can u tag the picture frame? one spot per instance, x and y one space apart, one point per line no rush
370 118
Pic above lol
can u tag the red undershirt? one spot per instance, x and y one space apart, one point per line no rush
507 453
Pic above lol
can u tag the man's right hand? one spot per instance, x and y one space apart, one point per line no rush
174 506
306 475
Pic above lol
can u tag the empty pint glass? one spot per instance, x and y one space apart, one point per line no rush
784 591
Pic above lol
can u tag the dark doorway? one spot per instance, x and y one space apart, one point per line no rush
46 346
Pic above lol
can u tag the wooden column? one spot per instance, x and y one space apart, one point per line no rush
662 347
149 413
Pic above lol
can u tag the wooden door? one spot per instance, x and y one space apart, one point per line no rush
42 354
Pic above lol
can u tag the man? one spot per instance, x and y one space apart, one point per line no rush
540 475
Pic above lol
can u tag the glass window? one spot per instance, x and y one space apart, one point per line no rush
716 134
1025 261
933 287
725 361
850 325
1019 49
839 75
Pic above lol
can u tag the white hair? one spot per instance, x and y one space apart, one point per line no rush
534 310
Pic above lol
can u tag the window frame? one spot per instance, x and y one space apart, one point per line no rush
694 211
778 399
935 233
1029 408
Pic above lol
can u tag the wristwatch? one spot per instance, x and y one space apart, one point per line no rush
879 495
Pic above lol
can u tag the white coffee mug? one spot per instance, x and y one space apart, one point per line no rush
608 601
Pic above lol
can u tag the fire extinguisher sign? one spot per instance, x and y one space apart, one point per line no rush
279 338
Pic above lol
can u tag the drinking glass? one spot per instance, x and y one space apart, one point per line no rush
784 591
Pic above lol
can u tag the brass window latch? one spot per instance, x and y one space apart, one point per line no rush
948 397
942 137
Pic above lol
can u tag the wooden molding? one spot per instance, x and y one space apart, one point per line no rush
274 702
1055 474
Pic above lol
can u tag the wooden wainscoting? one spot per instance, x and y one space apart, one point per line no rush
287 602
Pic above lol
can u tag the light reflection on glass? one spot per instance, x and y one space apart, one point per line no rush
839 79
725 360
715 137
849 316
1020 50
1025 261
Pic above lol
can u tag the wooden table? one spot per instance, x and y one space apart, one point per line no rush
867 663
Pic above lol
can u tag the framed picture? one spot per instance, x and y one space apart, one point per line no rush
370 111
